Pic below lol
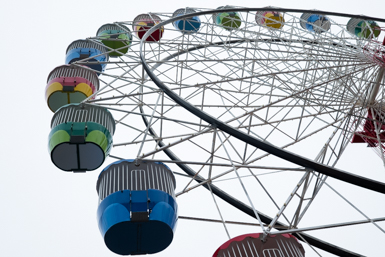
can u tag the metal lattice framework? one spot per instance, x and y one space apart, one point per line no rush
258 116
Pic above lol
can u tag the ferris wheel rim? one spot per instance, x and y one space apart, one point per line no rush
335 249
168 150
269 8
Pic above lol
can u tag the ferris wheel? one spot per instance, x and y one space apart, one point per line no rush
256 105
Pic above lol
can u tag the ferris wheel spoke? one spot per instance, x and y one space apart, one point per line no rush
373 221
243 186
306 185
226 221
288 200
286 72
268 194
328 226
216 164
160 117
114 88
129 95
116 78
301 138
283 119
216 156
131 127
319 183
328 79
219 212
320 178
286 145
296 117
295 94
154 139
146 132
188 138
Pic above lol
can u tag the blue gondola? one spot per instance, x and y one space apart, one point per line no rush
315 23
93 54
189 25
137 213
